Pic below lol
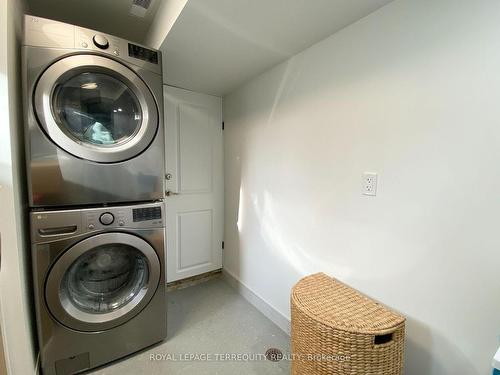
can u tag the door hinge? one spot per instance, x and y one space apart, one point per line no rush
222 125
222 244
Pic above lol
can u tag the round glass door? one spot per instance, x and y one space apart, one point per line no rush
102 281
96 108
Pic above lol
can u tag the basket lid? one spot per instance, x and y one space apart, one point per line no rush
337 305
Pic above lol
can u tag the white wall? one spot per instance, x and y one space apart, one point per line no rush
164 20
411 92
15 298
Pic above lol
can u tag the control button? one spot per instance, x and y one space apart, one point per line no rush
121 223
116 52
84 44
91 226
101 41
107 218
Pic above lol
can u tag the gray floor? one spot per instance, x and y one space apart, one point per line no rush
211 320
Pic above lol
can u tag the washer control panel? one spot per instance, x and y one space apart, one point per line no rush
106 218
145 214
139 216
47 226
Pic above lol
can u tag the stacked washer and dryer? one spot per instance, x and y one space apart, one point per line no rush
95 171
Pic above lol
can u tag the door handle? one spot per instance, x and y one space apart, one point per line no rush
57 231
168 193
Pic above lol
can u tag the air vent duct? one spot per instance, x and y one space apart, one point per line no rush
142 3
140 7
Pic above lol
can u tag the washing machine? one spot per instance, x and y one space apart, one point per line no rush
94 117
99 284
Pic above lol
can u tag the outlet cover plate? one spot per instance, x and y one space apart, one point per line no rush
369 183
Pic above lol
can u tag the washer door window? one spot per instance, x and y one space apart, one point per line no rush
96 108
102 281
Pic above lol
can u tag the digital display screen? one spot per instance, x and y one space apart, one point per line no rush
142 53
144 214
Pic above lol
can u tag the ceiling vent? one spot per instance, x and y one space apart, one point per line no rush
140 7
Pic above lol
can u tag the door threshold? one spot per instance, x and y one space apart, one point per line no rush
194 280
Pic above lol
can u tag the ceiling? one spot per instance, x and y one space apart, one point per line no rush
217 45
108 16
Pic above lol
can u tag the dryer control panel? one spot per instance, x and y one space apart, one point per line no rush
42 32
143 53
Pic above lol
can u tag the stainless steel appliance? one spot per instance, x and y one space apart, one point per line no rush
99 284
94 122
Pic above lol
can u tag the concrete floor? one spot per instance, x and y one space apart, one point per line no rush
209 319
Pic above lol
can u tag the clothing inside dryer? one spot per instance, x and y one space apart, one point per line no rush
96 108
105 278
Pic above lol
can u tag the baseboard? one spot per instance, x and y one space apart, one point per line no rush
259 303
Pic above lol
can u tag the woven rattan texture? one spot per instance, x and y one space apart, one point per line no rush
334 329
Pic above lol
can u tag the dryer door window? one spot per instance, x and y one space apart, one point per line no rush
95 108
102 281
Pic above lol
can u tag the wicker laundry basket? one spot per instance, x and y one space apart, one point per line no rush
338 331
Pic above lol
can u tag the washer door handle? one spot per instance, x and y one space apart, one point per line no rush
70 229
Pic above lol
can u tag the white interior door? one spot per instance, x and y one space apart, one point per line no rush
194 167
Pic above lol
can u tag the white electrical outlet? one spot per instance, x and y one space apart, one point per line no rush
369 186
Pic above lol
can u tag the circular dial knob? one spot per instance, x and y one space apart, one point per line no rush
101 41
106 218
